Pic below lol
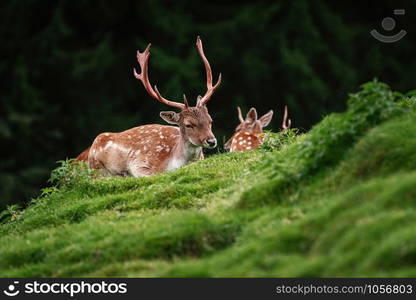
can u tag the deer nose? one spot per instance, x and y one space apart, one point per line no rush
212 143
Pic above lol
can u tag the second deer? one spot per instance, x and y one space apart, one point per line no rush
248 134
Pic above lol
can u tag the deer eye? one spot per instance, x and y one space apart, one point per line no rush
188 126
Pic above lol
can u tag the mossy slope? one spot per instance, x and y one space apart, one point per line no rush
337 201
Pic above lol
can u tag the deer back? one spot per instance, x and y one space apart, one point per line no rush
139 151
244 141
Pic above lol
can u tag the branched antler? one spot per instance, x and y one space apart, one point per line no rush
210 88
143 59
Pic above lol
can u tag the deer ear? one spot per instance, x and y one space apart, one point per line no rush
251 115
170 116
265 119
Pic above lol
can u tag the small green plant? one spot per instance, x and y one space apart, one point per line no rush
274 141
409 102
48 191
12 212
68 174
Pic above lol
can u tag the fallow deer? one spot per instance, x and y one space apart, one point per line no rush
150 149
248 134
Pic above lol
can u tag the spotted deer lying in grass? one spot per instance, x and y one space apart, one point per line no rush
248 134
150 149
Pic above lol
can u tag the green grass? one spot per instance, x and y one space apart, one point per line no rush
337 201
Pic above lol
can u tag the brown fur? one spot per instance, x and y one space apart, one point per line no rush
140 150
245 141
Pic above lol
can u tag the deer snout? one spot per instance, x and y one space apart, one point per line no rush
210 143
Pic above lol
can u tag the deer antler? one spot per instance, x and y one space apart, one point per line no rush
240 115
143 59
210 89
286 123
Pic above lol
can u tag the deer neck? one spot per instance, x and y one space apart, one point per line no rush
183 153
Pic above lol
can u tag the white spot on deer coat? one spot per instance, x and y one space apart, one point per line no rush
109 144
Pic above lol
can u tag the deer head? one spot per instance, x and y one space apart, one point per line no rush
194 122
251 124
248 131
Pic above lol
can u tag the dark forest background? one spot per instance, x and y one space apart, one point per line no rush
66 68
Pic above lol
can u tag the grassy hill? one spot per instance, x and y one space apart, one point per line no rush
339 200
